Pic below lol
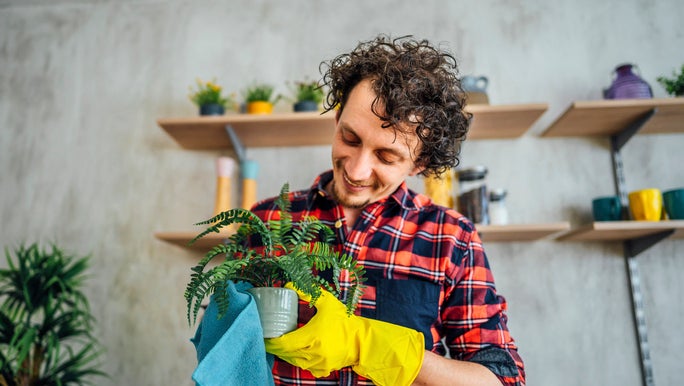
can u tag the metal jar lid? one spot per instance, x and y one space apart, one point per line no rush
472 173
497 194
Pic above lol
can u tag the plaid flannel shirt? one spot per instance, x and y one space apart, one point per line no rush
425 269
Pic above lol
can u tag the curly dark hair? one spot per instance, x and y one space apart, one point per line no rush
418 86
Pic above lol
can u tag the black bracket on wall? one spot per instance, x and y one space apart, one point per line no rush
635 246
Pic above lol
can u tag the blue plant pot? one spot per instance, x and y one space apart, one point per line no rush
212 109
305 106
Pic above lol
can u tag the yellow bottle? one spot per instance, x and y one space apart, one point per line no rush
439 189
249 170
224 172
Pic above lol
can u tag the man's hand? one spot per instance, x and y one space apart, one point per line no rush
385 353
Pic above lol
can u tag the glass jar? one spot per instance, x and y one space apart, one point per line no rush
498 212
472 198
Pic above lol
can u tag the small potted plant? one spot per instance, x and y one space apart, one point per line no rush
267 255
674 86
207 96
259 98
307 96
46 325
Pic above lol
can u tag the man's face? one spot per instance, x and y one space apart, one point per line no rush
369 162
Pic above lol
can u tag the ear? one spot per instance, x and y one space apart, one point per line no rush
416 170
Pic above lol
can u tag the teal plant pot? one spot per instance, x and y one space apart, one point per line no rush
277 309
305 106
212 109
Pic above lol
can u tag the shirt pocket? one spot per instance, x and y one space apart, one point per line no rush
408 303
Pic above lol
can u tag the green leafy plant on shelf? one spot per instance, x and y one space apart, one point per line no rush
307 91
260 92
45 320
674 86
208 93
285 252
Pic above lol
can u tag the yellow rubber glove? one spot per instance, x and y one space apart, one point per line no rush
385 353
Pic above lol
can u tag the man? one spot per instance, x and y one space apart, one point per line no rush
399 113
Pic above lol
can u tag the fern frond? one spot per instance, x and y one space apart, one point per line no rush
323 256
221 249
298 271
279 230
211 282
283 201
251 225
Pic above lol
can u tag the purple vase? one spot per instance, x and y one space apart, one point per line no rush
627 85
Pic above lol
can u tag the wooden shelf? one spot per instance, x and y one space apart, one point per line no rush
182 239
623 230
311 129
520 232
288 129
610 117
503 121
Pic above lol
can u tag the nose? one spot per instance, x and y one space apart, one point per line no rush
359 167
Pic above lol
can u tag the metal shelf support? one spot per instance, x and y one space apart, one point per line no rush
625 135
237 144
635 246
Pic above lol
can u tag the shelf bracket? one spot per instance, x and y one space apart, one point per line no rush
635 246
632 248
617 141
237 144
620 139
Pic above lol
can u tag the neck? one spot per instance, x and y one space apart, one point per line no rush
349 214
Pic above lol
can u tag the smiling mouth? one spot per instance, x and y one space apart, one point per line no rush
352 184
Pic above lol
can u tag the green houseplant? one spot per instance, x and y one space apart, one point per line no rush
207 96
307 96
45 320
260 99
287 252
674 86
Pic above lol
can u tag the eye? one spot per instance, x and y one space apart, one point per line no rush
387 158
350 139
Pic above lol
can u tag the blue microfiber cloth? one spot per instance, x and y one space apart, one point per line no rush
230 350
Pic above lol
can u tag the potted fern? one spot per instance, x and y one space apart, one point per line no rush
45 321
259 98
268 255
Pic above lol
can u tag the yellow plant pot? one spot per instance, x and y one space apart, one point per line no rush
259 107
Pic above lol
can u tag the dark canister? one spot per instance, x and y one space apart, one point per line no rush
473 200
627 85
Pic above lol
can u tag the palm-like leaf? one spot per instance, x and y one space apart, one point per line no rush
43 315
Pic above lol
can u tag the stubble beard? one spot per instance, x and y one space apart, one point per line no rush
342 200
338 193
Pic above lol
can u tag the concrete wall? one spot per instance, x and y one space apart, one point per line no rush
83 163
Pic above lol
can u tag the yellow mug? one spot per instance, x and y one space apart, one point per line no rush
646 204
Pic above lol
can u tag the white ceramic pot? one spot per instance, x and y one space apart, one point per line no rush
277 309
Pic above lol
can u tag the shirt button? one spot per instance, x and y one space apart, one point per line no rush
338 224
